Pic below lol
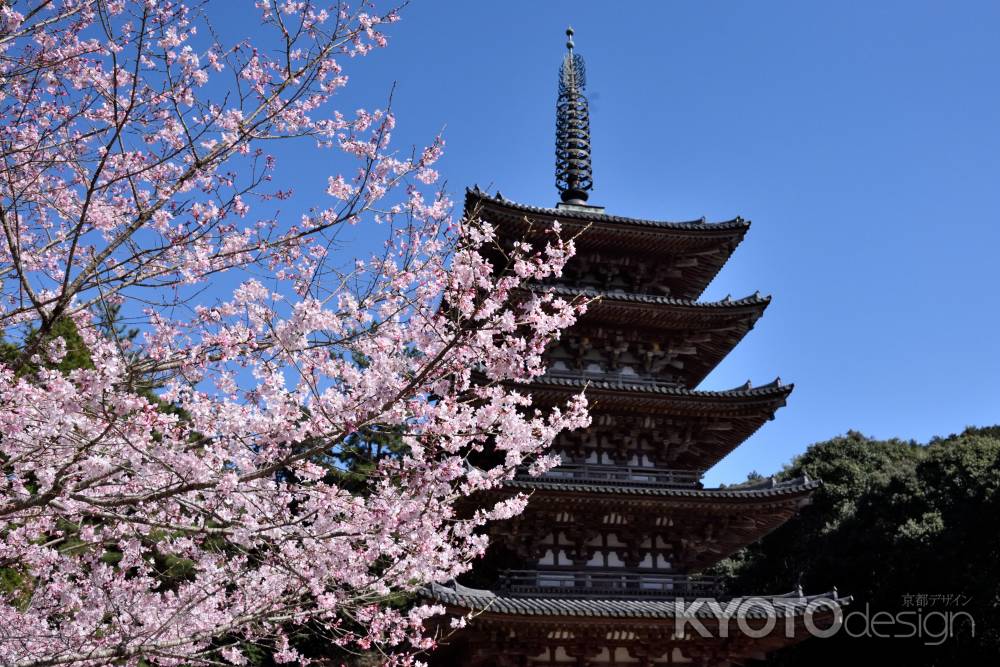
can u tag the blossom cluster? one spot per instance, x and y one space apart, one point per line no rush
182 494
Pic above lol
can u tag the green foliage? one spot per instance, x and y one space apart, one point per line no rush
357 457
892 519
76 356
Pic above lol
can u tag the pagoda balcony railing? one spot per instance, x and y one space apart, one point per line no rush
605 584
629 475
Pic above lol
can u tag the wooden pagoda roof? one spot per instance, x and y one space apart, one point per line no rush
717 522
509 631
769 493
722 324
474 599
712 242
638 304
739 412
613 396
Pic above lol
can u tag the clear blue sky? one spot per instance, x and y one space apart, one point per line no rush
862 139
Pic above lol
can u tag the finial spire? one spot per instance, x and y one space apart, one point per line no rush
574 176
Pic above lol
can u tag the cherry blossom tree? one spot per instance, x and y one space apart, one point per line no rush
181 495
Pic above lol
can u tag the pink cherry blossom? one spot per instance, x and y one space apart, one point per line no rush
179 495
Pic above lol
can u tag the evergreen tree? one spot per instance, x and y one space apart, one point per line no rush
893 521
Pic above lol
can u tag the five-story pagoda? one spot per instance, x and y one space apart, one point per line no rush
602 567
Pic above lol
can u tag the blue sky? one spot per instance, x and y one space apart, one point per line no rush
862 139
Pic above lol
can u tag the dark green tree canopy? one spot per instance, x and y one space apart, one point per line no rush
893 520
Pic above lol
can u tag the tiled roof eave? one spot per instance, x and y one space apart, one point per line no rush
500 204
777 492
489 602
752 303
773 390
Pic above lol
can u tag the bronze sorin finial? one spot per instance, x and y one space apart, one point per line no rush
574 176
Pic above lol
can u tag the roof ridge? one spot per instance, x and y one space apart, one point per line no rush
475 193
774 387
751 299
677 492
489 601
